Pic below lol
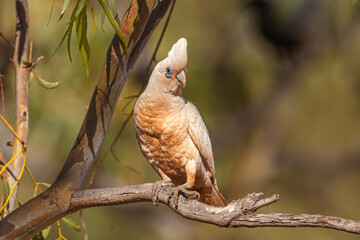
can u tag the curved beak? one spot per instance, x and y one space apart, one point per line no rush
181 78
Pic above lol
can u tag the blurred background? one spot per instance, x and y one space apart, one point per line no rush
278 86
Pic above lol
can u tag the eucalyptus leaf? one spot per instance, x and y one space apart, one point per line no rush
102 16
72 224
38 236
112 4
113 22
81 29
45 84
45 184
66 3
46 231
6 189
92 14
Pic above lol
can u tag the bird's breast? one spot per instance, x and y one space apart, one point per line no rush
162 136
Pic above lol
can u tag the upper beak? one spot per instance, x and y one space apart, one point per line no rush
181 78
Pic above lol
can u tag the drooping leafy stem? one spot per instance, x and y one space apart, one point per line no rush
79 17
113 22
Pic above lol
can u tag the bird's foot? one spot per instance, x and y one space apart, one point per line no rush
157 187
183 190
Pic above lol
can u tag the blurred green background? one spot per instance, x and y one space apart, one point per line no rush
277 83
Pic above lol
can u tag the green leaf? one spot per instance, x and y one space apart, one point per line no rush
38 236
52 8
46 231
66 3
102 19
72 224
112 4
68 41
45 184
82 4
156 2
43 234
81 29
26 63
5 194
45 84
66 34
113 23
6 189
92 14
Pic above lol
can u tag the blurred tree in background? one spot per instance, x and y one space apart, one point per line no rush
277 83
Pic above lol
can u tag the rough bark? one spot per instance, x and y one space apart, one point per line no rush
21 52
237 214
137 26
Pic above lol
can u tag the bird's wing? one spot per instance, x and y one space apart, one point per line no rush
200 137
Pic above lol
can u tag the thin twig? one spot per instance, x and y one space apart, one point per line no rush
124 163
33 64
98 164
2 92
83 225
13 132
2 162
7 41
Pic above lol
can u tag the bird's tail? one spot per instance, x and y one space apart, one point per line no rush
217 198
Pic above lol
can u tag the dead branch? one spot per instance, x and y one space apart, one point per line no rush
238 213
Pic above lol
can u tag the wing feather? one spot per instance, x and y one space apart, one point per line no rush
200 137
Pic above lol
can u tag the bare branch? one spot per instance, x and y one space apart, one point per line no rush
7 41
236 214
22 92
2 92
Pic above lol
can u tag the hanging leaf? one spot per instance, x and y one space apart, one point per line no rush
82 4
45 184
92 14
45 84
102 19
113 23
84 48
112 4
46 231
51 10
5 194
66 3
43 234
6 190
38 236
72 224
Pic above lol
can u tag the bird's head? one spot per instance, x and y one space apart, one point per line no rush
169 74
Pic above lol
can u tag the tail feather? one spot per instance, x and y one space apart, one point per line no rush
217 198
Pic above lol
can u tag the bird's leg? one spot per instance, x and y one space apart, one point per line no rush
190 170
159 184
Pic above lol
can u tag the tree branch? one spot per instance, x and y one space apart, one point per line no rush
236 214
22 93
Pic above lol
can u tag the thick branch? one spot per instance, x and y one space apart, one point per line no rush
22 92
236 214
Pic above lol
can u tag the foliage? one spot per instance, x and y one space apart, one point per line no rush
79 18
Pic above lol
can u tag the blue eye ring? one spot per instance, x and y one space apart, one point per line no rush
169 72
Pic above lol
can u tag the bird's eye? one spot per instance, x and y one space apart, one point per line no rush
169 72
